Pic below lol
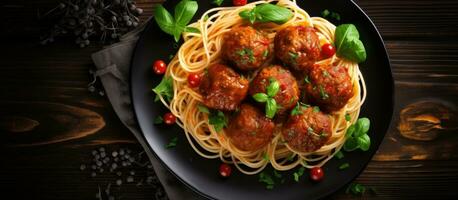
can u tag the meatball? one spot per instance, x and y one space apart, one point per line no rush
329 86
307 131
249 129
288 94
297 46
246 47
222 88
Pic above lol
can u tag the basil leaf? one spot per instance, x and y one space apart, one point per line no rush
184 11
351 144
164 19
164 89
267 13
353 50
365 124
348 44
272 13
260 97
273 88
364 142
350 131
271 108
191 30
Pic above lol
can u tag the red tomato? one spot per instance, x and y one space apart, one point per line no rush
239 2
194 80
169 118
225 170
327 50
159 67
316 174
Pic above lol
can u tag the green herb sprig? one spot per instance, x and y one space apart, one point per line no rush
164 89
348 44
268 98
297 175
177 24
267 13
330 14
217 119
172 143
357 137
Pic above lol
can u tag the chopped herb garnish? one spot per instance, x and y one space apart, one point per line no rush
293 56
291 157
316 109
246 54
265 157
356 189
310 130
265 53
158 120
325 73
205 18
218 2
306 79
323 134
218 120
323 93
297 110
297 175
171 56
253 133
203 109
164 89
344 166
172 143
276 174
326 13
347 117
339 155
267 179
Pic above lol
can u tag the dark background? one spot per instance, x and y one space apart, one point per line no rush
50 122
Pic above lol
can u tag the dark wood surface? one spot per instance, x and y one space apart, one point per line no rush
50 122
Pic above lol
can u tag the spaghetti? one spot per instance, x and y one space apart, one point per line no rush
200 50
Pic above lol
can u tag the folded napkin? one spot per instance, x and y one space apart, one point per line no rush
113 67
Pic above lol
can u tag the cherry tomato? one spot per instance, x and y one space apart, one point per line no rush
169 118
159 67
327 50
225 170
194 79
316 174
239 2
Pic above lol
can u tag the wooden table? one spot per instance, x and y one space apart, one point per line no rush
50 122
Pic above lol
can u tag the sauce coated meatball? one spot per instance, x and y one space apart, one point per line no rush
298 47
329 86
307 131
246 47
249 129
222 88
288 94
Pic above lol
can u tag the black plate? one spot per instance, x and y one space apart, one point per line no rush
202 174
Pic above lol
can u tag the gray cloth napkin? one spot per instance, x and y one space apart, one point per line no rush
113 67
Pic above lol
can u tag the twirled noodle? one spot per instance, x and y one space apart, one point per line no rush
199 50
